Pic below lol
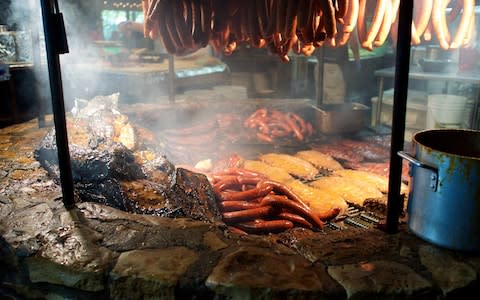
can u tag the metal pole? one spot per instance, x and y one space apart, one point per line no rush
319 82
55 44
402 62
171 78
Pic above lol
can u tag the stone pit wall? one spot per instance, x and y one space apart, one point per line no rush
97 252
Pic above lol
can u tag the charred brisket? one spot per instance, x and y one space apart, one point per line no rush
108 172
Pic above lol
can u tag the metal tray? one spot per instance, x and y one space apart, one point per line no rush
341 118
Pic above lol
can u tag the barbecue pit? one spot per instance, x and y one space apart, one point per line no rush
110 250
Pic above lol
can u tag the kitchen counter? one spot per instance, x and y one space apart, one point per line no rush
98 252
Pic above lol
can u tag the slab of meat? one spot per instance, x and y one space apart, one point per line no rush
274 173
379 140
319 201
319 160
379 168
380 182
369 151
353 190
341 153
295 166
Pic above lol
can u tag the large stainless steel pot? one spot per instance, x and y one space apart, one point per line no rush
444 199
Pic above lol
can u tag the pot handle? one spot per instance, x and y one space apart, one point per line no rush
433 177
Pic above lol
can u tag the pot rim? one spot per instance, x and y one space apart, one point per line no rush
430 148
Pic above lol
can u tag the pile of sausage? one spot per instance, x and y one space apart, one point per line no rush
264 125
299 25
270 125
250 203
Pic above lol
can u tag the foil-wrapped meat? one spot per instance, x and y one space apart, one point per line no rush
115 166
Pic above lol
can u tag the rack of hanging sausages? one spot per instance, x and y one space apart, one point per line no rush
262 165
301 26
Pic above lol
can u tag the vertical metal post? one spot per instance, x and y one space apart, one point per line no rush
319 82
55 44
171 78
402 62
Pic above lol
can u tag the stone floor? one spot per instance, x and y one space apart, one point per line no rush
97 252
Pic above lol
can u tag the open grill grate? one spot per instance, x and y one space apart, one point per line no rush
356 217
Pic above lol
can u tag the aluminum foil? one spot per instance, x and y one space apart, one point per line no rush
16 46
8 47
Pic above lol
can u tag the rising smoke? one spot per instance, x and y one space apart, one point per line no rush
82 65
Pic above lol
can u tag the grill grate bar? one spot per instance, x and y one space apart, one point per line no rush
353 222
369 218
353 211
355 217
334 226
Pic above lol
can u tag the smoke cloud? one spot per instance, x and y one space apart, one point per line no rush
85 71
